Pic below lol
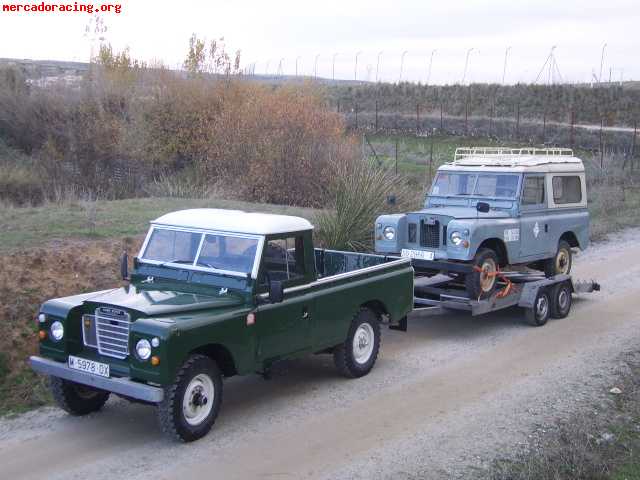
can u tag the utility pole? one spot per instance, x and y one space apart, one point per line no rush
430 65
402 65
355 70
604 46
504 68
466 65
378 65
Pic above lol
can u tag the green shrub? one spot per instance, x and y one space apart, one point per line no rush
359 194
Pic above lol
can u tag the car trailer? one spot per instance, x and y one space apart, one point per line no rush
541 297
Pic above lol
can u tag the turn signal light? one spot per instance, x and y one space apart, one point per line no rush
42 335
155 361
251 319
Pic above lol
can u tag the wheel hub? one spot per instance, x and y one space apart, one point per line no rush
196 404
363 341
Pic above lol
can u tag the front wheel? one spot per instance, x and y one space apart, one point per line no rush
481 283
191 404
75 398
357 355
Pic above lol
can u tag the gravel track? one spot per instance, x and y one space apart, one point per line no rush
446 396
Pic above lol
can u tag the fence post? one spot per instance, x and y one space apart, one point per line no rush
572 132
431 157
544 126
492 112
601 143
517 121
356 109
441 117
396 155
417 119
466 112
376 116
633 142
338 106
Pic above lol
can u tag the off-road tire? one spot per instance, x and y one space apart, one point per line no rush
561 261
170 411
75 398
539 313
344 355
561 300
472 281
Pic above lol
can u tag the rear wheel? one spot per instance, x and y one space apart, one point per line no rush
481 283
539 313
75 398
191 405
357 355
561 300
561 262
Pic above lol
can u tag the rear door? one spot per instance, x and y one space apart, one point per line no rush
283 329
534 228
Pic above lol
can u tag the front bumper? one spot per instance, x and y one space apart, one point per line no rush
121 386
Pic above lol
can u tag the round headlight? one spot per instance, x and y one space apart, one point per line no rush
389 233
143 349
57 331
456 238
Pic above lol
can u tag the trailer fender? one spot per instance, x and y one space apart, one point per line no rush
530 289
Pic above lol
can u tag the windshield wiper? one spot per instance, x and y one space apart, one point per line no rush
177 260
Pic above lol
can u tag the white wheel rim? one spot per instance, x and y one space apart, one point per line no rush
542 307
562 262
198 399
487 275
363 341
563 299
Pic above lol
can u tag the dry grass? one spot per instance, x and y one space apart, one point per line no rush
601 441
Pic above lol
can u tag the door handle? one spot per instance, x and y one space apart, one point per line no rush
305 313
546 228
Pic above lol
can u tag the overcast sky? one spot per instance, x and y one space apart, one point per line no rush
268 31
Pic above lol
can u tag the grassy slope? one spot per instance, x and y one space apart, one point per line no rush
35 226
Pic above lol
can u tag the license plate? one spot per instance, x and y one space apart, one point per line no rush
89 366
418 254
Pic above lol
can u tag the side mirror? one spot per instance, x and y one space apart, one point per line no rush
276 292
124 266
483 207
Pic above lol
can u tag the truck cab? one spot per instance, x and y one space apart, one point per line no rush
493 207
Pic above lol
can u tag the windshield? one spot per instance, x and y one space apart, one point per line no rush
493 185
217 251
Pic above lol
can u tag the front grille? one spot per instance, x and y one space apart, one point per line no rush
112 332
412 233
430 234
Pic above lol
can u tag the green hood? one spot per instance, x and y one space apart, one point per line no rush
153 302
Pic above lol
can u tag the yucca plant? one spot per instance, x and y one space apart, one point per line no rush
360 192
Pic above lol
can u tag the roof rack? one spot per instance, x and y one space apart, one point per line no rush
492 152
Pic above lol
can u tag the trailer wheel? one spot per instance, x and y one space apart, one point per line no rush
358 354
561 300
481 283
539 313
191 404
75 398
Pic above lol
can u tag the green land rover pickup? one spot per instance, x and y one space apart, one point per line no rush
215 293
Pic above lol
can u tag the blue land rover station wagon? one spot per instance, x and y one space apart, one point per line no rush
493 207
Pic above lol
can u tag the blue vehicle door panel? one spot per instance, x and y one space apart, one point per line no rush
534 225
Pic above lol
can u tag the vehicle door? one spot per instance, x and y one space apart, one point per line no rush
534 227
283 328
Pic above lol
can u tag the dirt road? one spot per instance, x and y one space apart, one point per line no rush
443 398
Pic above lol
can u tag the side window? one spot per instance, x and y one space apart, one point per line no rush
283 260
566 189
533 191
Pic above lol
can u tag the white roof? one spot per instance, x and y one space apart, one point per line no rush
235 221
515 159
